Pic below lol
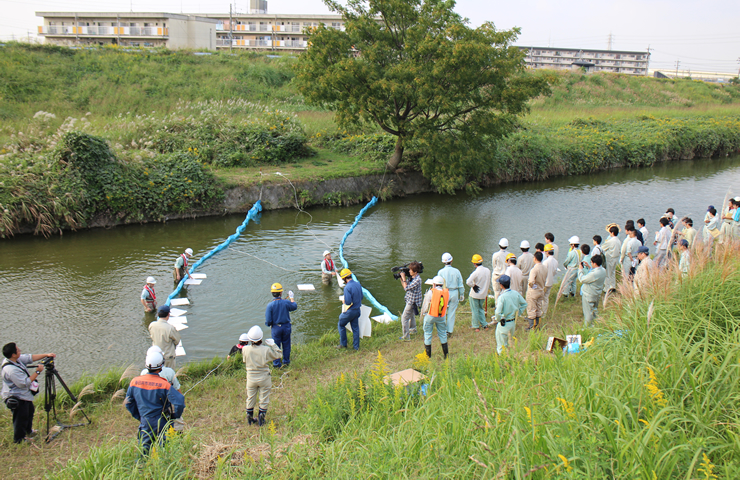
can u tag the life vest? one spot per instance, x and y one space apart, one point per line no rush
151 294
438 305
329 264
184 261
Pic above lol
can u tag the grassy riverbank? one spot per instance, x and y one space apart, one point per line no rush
652 397
181 128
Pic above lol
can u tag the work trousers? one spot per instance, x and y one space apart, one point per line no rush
503 334
408 321
326 278
478 312
429 323
281 335
23 420
545 300
150 432
258 383
610 283
353 318
571 277
496 286
170 362
590 306
525 285
660 259
451 311
535 298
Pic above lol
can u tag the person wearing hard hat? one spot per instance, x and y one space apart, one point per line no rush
181 265
277 317
592 286
514 273
479 283
148 297
525 262
434 311
165 336
153 401
550 240
551 265
257 358
328 268
644 269
536 291
571 263
171 376
509 303
611 248
351 314
454 283
243 341
498 261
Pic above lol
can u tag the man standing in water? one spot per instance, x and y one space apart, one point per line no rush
328 268
181 265
148 297
277 317
456 287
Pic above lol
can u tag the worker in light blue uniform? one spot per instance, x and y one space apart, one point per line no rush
277 317
456 287
509 303
585 261
593 286
153 401
351 316
572 260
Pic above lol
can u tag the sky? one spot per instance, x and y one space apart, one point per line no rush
701 35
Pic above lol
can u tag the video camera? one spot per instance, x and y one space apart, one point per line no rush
405 268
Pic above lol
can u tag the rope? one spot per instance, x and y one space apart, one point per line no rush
251 215
365 292
300 210
203 379
263 260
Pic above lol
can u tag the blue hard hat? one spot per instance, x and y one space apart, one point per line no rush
643 249
164 310
504 279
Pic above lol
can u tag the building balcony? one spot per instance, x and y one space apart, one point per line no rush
225 42
105 31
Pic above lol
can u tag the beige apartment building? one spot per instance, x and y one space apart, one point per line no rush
613 61
170 30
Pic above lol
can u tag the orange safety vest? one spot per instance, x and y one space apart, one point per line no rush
438 305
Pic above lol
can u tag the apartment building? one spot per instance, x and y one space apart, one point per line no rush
614 61
170 30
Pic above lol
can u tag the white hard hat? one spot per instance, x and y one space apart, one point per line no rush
524 244
151 280
326 252
188 251
446 258
574 239
503 242
243 337
438 280
154 349
154 361
255 334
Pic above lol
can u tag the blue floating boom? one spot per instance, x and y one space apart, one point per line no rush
251 215
365 292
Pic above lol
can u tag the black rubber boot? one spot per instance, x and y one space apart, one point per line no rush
444 349
531 324
261 417
428 349
250 417
537 324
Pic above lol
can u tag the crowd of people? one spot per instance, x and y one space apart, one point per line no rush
521 286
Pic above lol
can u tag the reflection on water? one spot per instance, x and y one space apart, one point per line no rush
78 294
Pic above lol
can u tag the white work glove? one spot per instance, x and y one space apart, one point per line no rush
269 342
290 293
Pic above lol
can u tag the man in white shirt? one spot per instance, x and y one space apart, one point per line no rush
551 264
611 248
479 281
628 256
662 241
498 261
514 273
525 262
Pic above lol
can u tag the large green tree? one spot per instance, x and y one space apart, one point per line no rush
417 70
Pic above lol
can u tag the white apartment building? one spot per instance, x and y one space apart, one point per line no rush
614 61
170 30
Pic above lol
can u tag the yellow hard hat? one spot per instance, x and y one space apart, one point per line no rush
276 288
345 273
477 258
549 247
511 255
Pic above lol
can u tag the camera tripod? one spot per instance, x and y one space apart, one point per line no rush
50 395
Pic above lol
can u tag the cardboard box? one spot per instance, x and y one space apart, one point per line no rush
555 342
405 377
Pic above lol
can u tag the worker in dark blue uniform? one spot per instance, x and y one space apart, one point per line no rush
153 401
351 315
277 317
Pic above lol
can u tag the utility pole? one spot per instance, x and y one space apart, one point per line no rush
647 68
678 63
609 46
231 28
738 70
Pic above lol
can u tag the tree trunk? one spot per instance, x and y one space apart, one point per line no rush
397 155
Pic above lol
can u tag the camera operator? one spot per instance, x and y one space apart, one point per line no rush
19 388
413 300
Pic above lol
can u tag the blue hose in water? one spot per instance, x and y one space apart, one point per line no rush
251 215
365 292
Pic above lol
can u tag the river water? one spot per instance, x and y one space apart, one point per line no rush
78 294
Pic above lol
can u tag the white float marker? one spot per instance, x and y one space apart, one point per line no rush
176 312
179 350
179 302
192 281
199 276
306 286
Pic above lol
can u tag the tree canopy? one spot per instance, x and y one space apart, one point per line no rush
418 71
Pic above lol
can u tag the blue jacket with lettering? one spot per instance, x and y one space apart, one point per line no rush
150 396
